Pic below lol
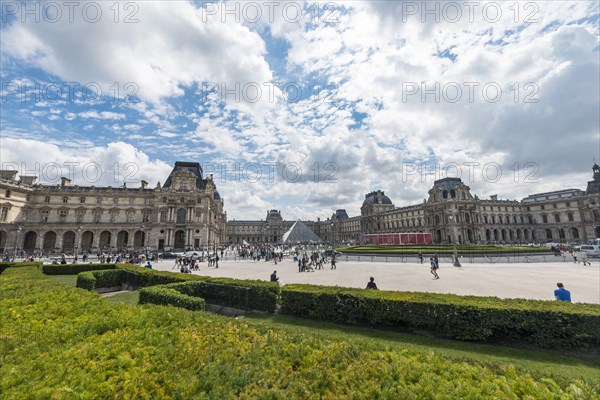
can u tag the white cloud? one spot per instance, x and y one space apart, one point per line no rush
172 46
109 165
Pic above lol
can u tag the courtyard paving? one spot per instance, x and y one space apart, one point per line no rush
505 280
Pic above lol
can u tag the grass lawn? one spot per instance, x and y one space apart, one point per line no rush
562 368
69 280
131 297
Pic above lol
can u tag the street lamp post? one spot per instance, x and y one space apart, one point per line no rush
451 216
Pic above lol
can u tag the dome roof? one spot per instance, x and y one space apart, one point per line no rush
377 197
216 195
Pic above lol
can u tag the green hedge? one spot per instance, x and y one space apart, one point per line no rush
229 293
5 265
73 269
542 323
62 343
263 295
151 277
162 295
91 280
86 280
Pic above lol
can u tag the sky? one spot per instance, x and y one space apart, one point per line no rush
300 106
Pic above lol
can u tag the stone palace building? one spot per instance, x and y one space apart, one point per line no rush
184 213
452 214
187 212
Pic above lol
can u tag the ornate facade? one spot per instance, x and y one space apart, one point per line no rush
184 213
453 215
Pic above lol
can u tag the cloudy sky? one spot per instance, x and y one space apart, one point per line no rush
304 106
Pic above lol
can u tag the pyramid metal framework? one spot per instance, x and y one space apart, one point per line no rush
300 233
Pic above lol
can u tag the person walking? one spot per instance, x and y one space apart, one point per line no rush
574 254
562 294
433 268
333 266
371 284
421 257
584 258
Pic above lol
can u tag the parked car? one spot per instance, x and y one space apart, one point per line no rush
168 255
591 250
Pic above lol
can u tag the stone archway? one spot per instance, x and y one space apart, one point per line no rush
105 237
179 240
87 240
3 241
122 239
29 242
68 244
139 239
49 241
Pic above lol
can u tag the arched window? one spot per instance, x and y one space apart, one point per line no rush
181 216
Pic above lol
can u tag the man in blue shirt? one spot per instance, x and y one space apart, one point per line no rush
561 293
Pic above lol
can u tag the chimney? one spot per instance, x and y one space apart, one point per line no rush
28 180
144 184
8 174
65 182
494 197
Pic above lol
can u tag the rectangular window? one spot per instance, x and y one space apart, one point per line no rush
113 216
47 199
62 215
554 205
25 215
65 199
163 216
146 217
79 216
146 200
7 194
44 215
82 200
545 219
97 217
130 217
543 207
571 217
568 204
556 218
4 214
99 200
115 200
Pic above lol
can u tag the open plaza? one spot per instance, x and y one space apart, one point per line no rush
535 280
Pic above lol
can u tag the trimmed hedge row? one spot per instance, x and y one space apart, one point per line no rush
227 295
545 324
8 264
162 295
73 269
91 280
263 295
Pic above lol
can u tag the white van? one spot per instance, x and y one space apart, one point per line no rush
591 250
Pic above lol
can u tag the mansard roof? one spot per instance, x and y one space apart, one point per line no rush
184 166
